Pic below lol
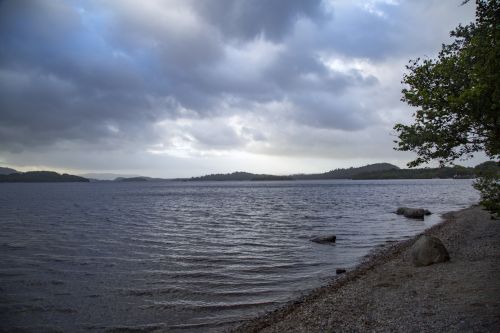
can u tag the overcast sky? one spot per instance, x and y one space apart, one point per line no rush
187 87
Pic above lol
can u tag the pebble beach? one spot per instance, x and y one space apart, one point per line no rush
387 293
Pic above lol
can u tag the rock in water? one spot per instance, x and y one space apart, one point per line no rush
428 250
329 239
401 210
339 271
413 213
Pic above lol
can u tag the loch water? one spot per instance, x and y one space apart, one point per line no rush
190 256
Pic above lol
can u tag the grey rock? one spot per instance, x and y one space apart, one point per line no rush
413 213
428 250
328 239
401 210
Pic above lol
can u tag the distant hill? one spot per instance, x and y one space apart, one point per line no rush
348 173
334 174
141 179
271 177
238 176
40 177
372 171
424 173
7 171
456 171
489 167
132 179
106 176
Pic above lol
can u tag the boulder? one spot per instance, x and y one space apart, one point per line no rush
340 271
413 213
328 239
428 250
401 210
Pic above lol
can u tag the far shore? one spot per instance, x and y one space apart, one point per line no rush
387 293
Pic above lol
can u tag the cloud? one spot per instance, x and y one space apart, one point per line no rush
243 19
193 79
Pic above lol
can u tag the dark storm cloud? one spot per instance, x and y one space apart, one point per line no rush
245 19
59 80
107 73
93 71
331 112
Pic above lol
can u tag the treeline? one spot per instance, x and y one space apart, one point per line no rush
238 176
372 171
348 173
426 173
40 177
270 177
457 171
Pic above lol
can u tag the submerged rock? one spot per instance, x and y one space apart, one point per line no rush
428 250
413 213
328 239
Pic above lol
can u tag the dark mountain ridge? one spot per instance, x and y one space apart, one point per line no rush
238 176
40 177
348 173
7 171
371 171
333 174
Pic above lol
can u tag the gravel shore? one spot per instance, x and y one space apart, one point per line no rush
387 293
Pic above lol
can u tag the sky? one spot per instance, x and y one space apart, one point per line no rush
178 88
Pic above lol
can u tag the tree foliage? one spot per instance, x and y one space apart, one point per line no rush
489 186
457 95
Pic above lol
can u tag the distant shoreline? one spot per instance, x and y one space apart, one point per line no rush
368 172
206 181
41 177
386 293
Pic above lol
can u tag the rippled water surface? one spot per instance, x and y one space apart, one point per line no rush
188 257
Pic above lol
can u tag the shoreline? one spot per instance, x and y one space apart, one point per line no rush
386 293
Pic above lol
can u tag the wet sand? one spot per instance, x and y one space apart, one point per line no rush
387 293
